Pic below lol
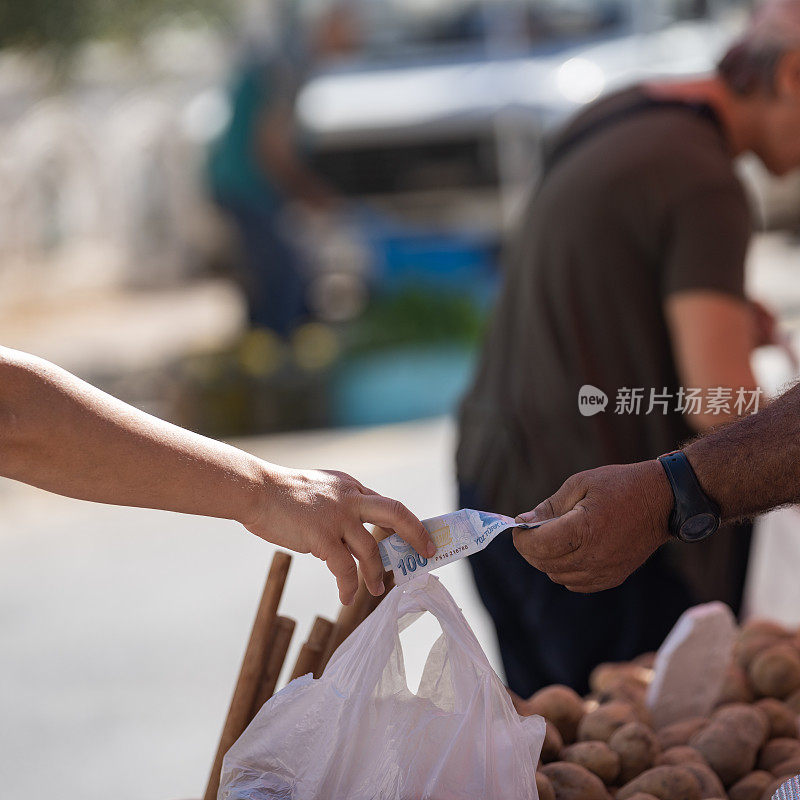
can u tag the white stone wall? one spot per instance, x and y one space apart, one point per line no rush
101 180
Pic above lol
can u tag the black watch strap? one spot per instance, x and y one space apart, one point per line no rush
695 516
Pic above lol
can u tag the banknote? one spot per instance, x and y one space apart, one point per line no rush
456 535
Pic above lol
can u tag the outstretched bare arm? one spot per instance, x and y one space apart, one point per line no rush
63 435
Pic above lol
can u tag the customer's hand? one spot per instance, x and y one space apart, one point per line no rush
609 520
323 513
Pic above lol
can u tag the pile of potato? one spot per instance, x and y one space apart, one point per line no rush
604 746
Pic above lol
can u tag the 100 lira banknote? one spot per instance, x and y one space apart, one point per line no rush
455 535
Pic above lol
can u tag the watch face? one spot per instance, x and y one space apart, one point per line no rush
698 527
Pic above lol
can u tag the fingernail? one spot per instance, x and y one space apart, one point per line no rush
431 549
382 588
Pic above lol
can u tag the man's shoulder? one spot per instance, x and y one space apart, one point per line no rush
639 134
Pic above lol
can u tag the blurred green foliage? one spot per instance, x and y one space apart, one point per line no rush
415 316
63 24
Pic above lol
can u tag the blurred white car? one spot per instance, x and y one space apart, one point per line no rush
442 122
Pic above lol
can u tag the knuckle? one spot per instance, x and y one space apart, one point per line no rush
584 530
320 546
371 547
546 508
348 570
397 509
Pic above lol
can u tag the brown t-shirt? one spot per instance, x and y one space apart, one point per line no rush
646 205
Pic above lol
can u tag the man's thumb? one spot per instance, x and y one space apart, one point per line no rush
542 512
557 504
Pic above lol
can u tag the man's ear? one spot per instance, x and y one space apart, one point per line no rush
787 76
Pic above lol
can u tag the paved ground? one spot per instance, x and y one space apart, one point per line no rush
122 630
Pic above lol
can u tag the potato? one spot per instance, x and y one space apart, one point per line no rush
517 702
793 701
665 783
751 787
710 784
646 660
544 788
574 782
559 704
759 626
642 796
749 722
626 682
600 724
735 687
777 751
677 756
553 743
680 732
773 787
637 747
782 720
775 672
746 649
728 751
631 693
597 757
606 677
789 767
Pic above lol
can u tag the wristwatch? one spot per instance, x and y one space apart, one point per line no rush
695 516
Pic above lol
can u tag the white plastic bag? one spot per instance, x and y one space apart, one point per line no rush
358 733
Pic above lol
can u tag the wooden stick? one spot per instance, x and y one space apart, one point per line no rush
239 713
311 652
279 644
350 617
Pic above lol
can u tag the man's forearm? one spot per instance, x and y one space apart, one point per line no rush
752 465
63 435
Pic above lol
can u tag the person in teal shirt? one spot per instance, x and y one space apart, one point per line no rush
255 169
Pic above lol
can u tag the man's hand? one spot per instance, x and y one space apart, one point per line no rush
609 522
323 513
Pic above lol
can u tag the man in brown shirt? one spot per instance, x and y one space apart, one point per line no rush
627 275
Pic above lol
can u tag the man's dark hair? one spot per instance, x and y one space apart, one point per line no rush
749 69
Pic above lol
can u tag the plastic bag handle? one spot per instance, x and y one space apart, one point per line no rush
428 595
363 656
